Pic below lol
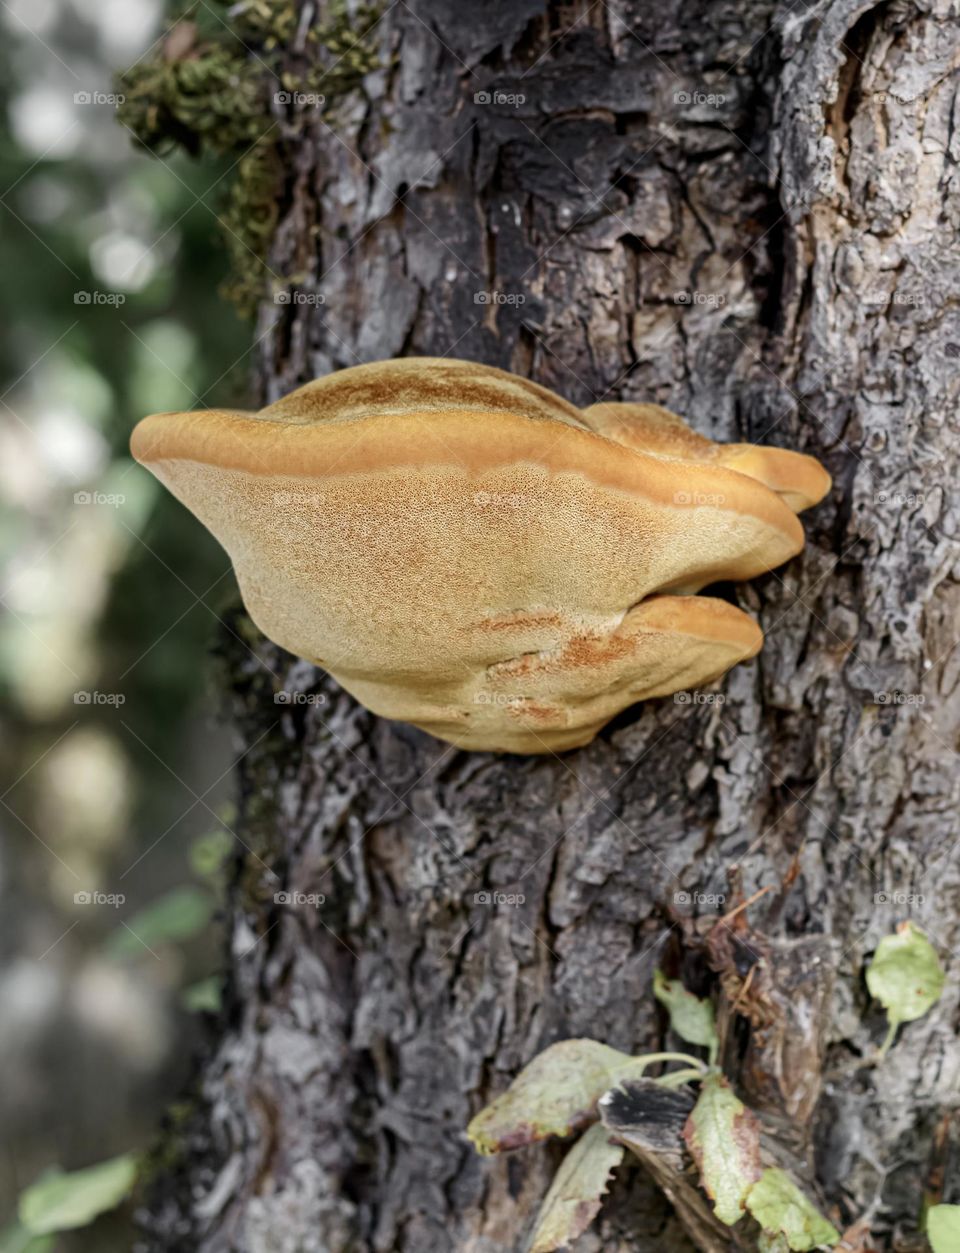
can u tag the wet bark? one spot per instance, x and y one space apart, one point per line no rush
746 212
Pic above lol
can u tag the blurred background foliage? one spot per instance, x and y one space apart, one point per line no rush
111 595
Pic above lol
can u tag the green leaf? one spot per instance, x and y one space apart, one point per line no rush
905 975
690 1017
60 1202
781 1208
554 1095
204 996
723 1137
943 1228
575 1196
178 915
16 1239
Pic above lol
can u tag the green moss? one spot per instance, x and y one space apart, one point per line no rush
209 89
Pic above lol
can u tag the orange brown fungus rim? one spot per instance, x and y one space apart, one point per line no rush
250 444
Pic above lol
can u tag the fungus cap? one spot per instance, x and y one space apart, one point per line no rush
464 550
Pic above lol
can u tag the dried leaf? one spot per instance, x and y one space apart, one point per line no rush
554 1095
723 1137
905 975
943 1228
781 1208
575 1196
690 1017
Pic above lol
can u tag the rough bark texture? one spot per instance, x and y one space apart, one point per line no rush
747 212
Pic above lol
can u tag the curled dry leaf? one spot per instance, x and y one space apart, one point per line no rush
723 1137
782 1209
555 1094
576 1193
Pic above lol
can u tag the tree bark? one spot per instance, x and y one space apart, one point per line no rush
746 212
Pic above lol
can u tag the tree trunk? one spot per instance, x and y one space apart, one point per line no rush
746 212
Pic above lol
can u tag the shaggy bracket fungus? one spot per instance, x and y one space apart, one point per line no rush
464 550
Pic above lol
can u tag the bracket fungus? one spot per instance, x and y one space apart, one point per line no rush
465 550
